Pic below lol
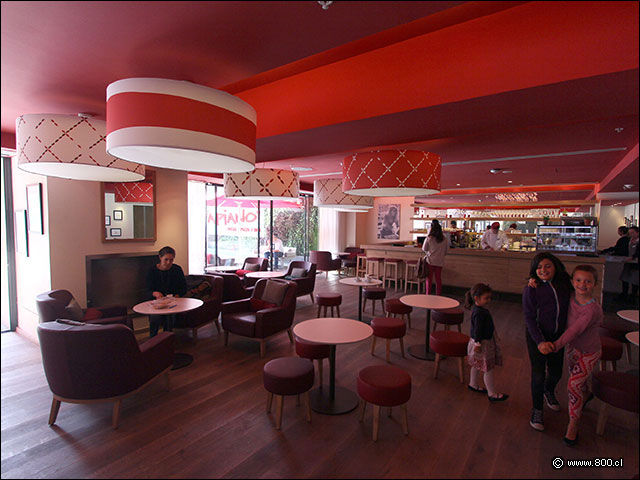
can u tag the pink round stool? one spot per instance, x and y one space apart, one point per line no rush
388 328
449 344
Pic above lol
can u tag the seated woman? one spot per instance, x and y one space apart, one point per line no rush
165 278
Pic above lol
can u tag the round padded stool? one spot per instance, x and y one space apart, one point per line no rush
447 317
328 299
449 344
613 330
611 352
373 294
287 376
396 307
388 328
617 389
384 386
313 351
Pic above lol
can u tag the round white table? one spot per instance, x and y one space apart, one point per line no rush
178 305
427 301
333 331
222 268
360 282
629 315
265 274
632 337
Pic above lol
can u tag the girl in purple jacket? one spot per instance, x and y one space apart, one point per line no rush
545 303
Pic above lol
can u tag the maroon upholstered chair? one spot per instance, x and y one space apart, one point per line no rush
210 309
256 317
350 261
56 304
324 262
249 265
232 287
88 363
307 283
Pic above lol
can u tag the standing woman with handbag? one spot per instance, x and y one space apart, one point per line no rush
435 247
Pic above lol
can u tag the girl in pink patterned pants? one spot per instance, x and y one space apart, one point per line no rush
584 351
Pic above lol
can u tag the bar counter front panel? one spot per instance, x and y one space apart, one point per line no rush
505 271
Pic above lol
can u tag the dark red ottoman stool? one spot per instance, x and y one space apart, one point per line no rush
287 376
396 307
617 331
313 351
388 328
617 389
373 294
384 386
449 344
328 300
611 352
447 317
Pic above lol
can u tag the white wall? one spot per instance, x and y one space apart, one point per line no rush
367 223
197 223
610 219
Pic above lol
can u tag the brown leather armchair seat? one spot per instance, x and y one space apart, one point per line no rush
248 266
232 287
209 289
56 304
305 284
88 363
251 318
324 262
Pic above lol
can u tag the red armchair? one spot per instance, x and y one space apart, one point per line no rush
252 318
56 304
324 262
209 311
249 262
88 363
232 287
305 284
350 262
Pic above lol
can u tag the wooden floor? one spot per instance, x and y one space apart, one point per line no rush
213 423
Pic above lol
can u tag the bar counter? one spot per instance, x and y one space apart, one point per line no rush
505 271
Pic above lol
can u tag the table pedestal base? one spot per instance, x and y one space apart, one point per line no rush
181 360
420 351
344 401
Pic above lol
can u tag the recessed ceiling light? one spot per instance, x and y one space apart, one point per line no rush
628 186
495 170
619 129
507 171
301 169
457 184
509 181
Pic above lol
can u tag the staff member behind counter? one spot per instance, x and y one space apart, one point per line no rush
494 238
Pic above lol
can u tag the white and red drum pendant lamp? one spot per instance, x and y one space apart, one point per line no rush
180 125
70 146
263 184
391 173
327 193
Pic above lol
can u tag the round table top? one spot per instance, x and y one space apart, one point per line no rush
429 301
223 268
632 337
332 331
181 305
630 315
264 274
361 283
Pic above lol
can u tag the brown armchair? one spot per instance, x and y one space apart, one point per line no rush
350 262
324 262
305 284
209 289
250 318
56 304
87 363
232 287
249 266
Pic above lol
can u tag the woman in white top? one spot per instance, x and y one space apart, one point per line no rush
435 247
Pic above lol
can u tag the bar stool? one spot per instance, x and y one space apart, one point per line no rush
393 307
287 376
388 263
449 344
373 294
388 328
328 300
361 265
447 317
411 275
611 352
373 266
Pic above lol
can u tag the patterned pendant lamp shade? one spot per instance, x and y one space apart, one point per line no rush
328 193
262 184
180 125
391 173
70 146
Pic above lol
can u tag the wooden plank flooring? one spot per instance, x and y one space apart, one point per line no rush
213 423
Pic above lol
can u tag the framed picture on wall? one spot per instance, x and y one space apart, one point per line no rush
115 232
117 214
107 220
34 207
22 235
389 221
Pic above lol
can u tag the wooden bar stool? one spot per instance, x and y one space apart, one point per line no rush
447 317
388 328
373 266
373 294
287 376
393 307
328 300
449 344
411 275
361 265
391 264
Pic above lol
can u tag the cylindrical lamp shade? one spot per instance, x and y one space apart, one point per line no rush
70 146
328 194
180 125
391 173
262 184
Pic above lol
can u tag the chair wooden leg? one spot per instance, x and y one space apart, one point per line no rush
364 303
298 400
262 348
376 421
290 335
613 366
459 328
461 369
269 401
437 366
226 338
628 348
55 408
311 295
402 347
602 419
388 349
338 308
319 308
405 420
116 413
308 402
280 402
364 409
217 324
389 412
373 308
373 344
319 360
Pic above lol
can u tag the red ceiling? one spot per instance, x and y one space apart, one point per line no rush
476 82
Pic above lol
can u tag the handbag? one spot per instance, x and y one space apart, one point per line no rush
423 268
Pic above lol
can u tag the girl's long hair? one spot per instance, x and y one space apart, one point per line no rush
436 230
477 290
560 279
